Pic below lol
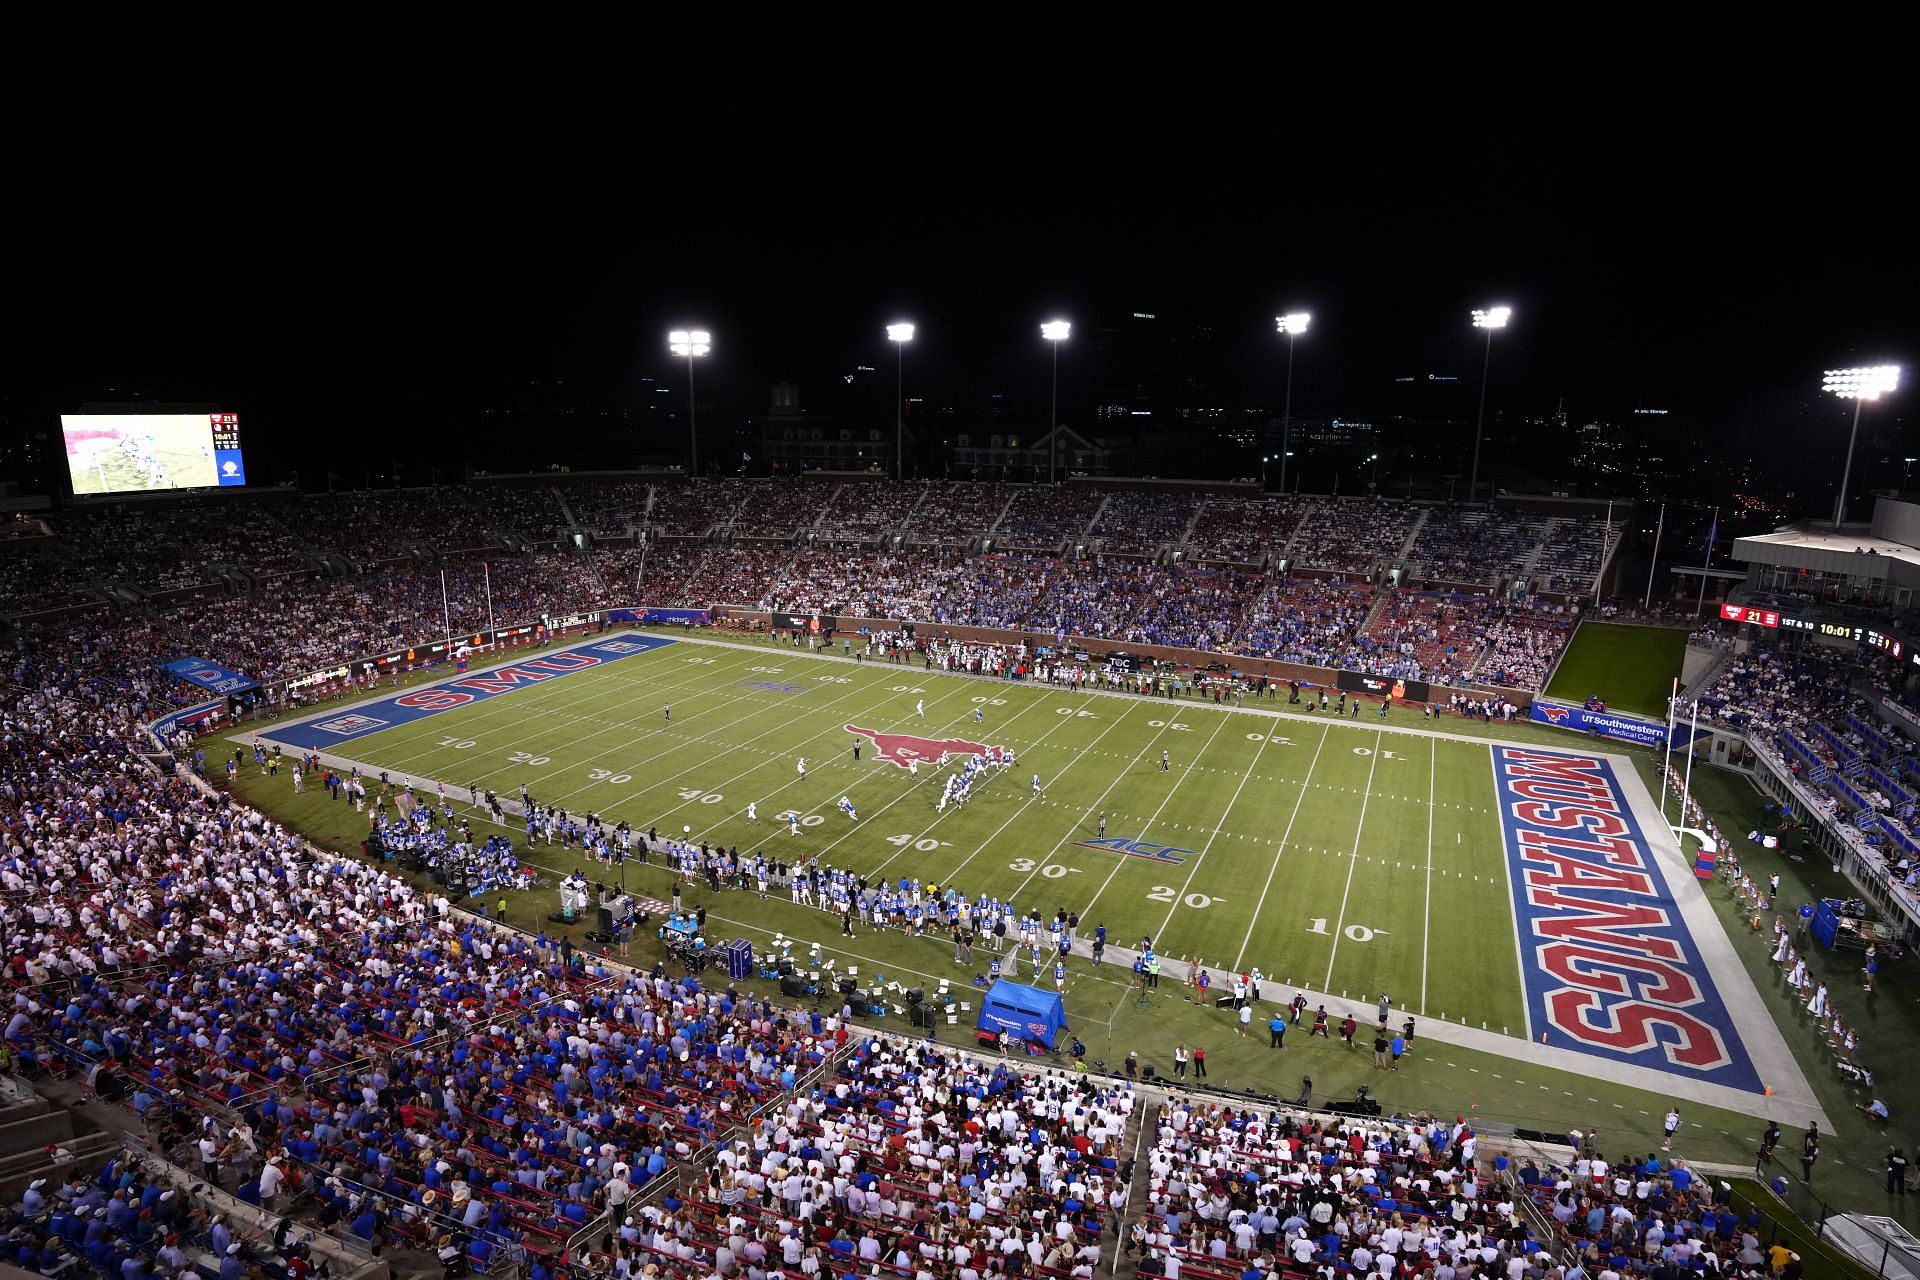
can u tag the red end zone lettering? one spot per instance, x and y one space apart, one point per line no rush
1594 794
1608 965
506 678
1548 869
1613 924
434 699
1629 1027
1567 817
561 663
1608 972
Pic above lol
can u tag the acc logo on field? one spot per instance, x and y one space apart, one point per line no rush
350 724
622 646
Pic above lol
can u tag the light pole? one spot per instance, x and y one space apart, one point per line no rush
1293 326
1907 474
900 334
691 343
1859 386
1373 482
1490 319
1054 331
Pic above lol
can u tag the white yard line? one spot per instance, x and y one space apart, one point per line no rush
1306 784
1426 912
1353 859
1214 834
795 779
912 788
1185 773
1513 907
1082 754
404 764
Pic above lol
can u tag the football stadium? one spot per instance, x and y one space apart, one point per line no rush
1070 805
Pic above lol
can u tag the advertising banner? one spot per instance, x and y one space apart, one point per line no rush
1607 724
660 617
1382 686
210 675
818 624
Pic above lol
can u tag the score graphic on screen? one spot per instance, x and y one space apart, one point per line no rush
137 452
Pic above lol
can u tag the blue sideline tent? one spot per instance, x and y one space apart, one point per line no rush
1025 1013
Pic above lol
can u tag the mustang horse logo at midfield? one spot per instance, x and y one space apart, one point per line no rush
903 748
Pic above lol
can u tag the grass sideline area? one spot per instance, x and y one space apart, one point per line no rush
1436 1077
1632 668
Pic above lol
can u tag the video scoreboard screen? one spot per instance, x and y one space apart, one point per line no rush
141 452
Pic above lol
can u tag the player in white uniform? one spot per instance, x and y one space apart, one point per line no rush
753 813
803 766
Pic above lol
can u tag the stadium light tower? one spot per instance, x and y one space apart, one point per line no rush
691 343
1055 331
1490 319
1293 326
1859 386
900 334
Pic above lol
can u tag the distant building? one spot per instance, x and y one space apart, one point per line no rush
794 440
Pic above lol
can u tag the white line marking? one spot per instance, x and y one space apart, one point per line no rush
1279 850
1373 762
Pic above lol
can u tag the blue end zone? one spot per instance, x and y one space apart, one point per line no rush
325 732
1609 966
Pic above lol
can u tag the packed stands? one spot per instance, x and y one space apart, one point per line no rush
861 510
694 508
778 508
954 514
1476 545
1235 1190
1135 522
1574 552
1000 590
1350 535
1424 636
1523 644
610 505
1243 530
1306 620
1039 518
804 546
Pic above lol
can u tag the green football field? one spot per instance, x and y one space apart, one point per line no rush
1326 853
1630 668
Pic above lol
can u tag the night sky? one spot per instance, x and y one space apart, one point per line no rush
355 285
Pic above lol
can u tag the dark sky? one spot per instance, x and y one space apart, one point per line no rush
345 270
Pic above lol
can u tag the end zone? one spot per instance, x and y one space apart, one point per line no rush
1622 958
330 728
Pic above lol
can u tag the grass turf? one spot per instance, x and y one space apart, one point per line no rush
1104 1011
1631 668
1316 852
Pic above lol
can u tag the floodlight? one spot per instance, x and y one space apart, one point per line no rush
902 332
1295 323
1863 384
1055 330
1492 318
689 342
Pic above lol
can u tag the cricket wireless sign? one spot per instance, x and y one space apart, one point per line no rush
1609 966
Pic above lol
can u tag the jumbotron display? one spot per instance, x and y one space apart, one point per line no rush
138 452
